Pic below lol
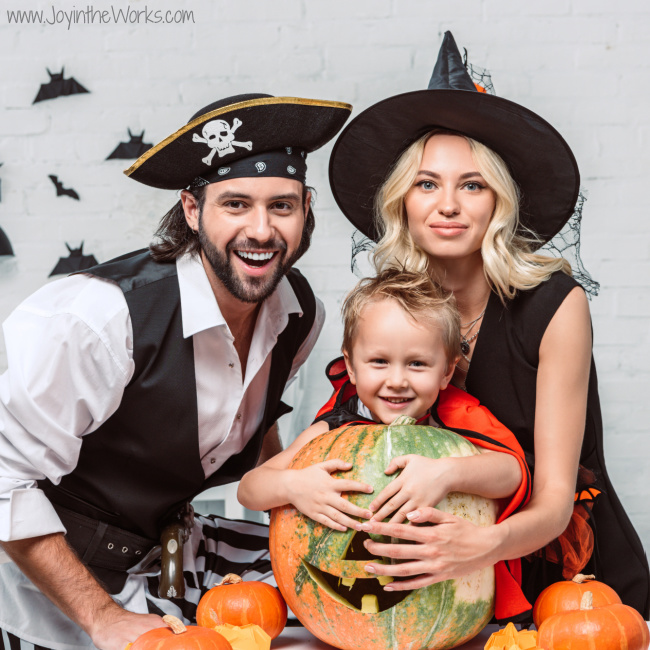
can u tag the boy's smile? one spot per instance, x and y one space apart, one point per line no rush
398 364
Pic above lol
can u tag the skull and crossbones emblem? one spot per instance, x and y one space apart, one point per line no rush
220 137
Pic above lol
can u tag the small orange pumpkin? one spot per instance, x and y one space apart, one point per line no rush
179 637
607 628
566 595
239 603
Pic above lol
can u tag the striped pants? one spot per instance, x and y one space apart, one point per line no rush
11 642
217 546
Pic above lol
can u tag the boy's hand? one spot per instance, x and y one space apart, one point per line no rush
317 494
423 482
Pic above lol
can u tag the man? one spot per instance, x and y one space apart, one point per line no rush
135 386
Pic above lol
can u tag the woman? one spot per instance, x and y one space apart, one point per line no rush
467 186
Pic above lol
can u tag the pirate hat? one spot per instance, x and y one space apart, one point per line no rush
234 128
537 156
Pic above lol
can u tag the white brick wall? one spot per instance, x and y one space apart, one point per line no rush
582 64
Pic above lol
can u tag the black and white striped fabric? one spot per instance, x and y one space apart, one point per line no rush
217 546
11 642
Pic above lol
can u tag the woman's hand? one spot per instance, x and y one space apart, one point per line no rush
317 494
422 482
451 549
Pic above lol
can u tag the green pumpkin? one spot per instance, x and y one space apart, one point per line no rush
320 571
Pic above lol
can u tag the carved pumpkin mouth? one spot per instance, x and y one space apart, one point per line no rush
347 582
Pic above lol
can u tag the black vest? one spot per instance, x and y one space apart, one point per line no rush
138 468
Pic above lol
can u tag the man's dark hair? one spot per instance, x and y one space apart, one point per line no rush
176 238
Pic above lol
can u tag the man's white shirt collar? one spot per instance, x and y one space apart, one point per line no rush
200 310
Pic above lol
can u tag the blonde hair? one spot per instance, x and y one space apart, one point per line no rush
417 294
509 262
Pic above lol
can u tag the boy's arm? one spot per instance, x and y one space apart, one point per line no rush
490 474
312 490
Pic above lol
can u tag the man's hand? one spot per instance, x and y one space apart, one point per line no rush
114 627
54 568
317 494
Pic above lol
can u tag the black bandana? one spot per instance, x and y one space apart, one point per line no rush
289 162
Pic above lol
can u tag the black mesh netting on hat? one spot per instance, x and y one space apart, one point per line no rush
479 76
566 244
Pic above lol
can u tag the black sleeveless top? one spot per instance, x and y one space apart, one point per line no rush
503 376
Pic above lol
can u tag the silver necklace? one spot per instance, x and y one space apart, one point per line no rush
472 323
465 339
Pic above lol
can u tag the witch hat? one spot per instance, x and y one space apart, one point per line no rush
449 70
540 161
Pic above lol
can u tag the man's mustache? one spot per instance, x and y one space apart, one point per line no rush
255 246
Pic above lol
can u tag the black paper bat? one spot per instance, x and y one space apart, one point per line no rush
58 86
63 191
5 244
134 148
76 261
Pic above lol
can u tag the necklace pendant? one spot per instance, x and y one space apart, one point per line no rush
464 347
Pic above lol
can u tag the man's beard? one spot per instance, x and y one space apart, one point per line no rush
252 289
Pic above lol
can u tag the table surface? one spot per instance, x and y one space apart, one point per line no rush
298 638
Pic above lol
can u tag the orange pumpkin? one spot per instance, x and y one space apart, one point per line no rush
239 603
179 637
566 595
320 571
611 627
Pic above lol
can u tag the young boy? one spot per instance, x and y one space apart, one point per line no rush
400 346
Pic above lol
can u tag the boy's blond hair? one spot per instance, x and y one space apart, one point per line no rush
416 294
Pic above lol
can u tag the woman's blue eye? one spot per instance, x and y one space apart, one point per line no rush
426 185
473 186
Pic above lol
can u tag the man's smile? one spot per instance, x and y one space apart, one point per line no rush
256 259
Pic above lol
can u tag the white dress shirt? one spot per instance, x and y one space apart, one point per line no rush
70 356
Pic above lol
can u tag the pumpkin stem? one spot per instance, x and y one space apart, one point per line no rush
580 578
403 419
587 601
175 623
230 579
